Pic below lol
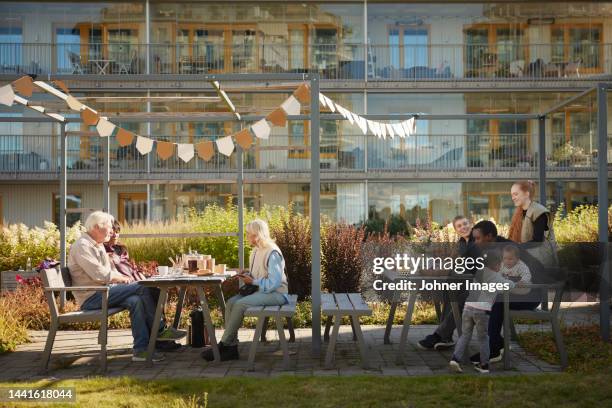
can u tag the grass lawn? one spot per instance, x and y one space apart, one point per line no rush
568 389
587 382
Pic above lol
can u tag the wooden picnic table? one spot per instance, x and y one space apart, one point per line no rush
183 282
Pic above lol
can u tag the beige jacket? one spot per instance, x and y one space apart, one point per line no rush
258 262
533 213
89 266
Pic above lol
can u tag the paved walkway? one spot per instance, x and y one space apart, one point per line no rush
75 355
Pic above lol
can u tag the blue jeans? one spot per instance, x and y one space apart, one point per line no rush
237 305
139 300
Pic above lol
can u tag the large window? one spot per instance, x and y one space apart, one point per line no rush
498 143
578 43
408 47
491 49
132 207
11 39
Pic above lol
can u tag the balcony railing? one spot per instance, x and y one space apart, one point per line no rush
334 62
39 154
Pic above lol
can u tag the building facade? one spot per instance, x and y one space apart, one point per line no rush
374 57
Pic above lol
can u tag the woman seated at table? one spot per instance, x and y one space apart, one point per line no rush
267 272
119 256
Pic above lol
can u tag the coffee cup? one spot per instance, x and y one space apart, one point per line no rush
162 270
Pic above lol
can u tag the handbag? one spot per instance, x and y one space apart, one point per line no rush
248 289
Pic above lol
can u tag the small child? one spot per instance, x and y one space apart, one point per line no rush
514 269
476 313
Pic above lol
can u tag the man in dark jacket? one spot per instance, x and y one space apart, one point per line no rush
485 236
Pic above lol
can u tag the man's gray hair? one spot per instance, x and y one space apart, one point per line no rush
98 218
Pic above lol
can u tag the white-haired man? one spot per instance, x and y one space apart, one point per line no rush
90 266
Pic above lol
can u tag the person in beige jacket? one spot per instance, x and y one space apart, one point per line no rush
267 272
90 265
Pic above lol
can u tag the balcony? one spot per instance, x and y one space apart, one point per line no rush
36 157
432 62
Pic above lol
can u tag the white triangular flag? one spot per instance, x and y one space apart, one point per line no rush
383 130
7 95
409 126
225 145
361 122
390 130
399 129
291 106
372 126
144 145
322 100
412 125
105 128
349 116
330 104
340 110
185 151
261 129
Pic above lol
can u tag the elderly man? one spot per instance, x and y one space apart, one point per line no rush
90 265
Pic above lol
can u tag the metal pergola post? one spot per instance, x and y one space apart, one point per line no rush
240 186
106 175
602 200
315 213
63 181
542 179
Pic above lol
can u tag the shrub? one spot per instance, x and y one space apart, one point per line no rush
19 242
12 331
579 225
395 225
341 261
292 236
213 219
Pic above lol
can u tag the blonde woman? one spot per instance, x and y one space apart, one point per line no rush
267 272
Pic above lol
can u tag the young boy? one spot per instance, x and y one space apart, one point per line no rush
476 313
515 269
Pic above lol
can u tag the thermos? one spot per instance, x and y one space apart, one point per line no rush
198 335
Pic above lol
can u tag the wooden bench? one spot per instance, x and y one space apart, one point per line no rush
263 314
551 315
59 281
337 305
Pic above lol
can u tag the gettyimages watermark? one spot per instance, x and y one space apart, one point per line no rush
392 269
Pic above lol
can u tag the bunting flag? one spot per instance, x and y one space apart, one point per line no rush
105 128
165 149
185 151
399 129
303 94
244 139
124 137
24 85
74 104
225 145
322 100
7 95
61 85
205 150
277 117
261 129
291 106
89 117
144 144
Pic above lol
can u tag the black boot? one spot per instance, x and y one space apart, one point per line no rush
208 354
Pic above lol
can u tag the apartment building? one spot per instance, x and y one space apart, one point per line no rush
374 57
